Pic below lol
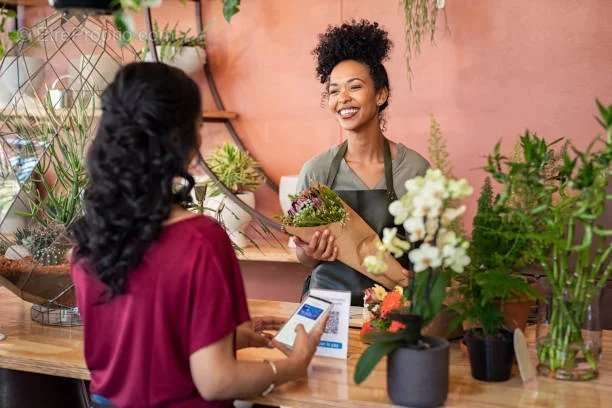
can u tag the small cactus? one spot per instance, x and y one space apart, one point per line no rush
50 256
47 244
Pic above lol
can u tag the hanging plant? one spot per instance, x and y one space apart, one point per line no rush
420 21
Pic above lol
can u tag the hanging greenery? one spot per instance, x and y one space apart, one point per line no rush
420 21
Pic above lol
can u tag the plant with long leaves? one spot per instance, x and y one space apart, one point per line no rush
577 265
62 172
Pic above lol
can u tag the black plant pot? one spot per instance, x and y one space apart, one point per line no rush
419 378
491 357
93 6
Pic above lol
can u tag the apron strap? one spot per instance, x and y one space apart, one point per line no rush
389 171
337 160
335 164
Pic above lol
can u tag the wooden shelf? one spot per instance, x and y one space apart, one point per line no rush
219 115
37 111
27 3
268 252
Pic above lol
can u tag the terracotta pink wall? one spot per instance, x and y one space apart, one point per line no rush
505 66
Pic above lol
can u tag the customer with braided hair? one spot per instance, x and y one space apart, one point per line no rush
159 289
368 170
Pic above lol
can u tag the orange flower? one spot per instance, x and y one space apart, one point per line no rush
392 301
365 329
396 326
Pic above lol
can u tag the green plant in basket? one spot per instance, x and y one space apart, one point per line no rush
235 168
436 252
567 238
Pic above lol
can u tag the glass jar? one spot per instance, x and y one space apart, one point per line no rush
569 348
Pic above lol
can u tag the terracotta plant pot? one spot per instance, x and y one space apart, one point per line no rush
516 312
491 357
37 283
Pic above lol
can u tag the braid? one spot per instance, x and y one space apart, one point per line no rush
146 137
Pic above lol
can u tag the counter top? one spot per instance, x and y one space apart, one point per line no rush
58 351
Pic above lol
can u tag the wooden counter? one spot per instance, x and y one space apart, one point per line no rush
58 351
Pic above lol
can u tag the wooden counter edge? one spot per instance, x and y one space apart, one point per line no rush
44 367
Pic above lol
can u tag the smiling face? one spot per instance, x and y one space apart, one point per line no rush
353 98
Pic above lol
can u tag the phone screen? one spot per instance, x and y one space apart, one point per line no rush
308 314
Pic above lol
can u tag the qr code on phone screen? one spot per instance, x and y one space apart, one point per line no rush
332 322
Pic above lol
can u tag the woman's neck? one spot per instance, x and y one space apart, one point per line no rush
365 145
178 213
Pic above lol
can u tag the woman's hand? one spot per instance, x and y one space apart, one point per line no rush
322 247
304 347
252 333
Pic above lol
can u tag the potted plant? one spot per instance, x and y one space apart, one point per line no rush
40 254
180 49
417 367
122 11
498 246
20 72
569 242
238 171
483 289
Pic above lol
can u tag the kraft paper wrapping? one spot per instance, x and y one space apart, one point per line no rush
356 240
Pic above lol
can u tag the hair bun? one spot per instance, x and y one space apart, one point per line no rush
362 41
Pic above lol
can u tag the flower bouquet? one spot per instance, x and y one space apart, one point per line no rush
378 304
318 208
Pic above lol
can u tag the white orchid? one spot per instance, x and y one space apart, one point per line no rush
431 227
426 256
375 264
393 244
426 205
415 227
426 216
459 189
435 184
447 237
450 214
455 257
398 210
414 185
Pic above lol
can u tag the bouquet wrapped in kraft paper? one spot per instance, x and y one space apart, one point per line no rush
319 208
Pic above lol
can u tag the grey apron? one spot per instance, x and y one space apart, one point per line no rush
373 207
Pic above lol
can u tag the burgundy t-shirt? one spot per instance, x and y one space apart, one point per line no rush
186 294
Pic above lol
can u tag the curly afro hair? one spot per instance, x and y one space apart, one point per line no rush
361 41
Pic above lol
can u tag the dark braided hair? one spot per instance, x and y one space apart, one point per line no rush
360 41
146 137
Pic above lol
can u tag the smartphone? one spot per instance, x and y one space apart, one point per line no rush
309 313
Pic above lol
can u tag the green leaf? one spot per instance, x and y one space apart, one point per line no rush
15 36
230 8
370 358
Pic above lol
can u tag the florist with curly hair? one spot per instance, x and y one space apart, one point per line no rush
367 170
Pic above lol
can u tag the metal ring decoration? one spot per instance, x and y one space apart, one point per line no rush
232 131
